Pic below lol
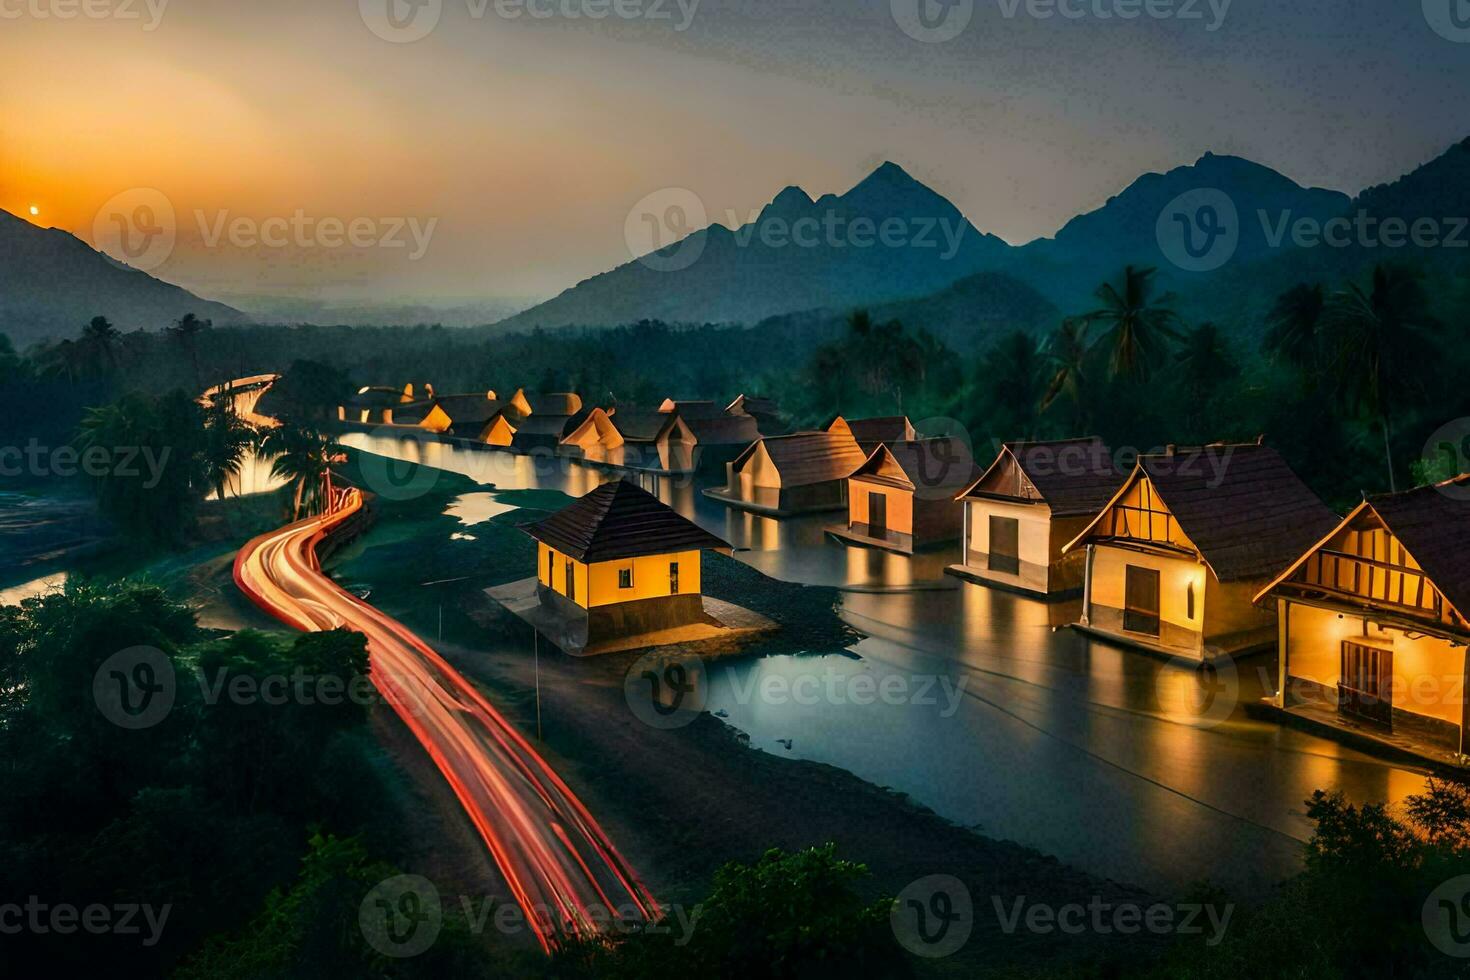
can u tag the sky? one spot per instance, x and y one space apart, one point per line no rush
498 155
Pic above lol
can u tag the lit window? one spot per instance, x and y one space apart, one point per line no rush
1189 602
625 578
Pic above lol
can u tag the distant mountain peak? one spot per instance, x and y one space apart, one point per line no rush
790 203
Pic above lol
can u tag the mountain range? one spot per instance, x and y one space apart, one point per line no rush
890 244
52 282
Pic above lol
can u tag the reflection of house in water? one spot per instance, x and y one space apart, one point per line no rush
902 498
1033 500
616 568
1373 617
1175 559
805 472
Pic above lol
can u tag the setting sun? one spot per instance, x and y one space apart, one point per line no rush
35 210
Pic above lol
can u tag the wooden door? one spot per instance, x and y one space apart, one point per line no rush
1005 545
1366 685
877 515
1141 600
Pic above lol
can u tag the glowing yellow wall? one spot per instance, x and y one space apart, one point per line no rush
900 505
558 578
650 578
1175 576
498 432
759 471
1427 671
436 421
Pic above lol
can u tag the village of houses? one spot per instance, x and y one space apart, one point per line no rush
1208 555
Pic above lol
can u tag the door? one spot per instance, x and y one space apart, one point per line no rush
1366 686
571 581
1005 545
1141 600
673 578
877 515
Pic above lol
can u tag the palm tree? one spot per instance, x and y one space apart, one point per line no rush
1066 354
1205 358
1014 375
227 442
1379 338
187 332
1294 323
304 459
100 335
1137 326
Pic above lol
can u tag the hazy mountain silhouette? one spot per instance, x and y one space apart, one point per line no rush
52 283
797 254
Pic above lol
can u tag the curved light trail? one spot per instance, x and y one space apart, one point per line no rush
559 864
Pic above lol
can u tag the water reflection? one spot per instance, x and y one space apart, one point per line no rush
36 587
254 477
1116 762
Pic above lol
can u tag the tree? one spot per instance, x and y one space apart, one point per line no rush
186 332
1012 383
101 337
1136 325
304 459
227 443
1380 341
1293 326
1066 354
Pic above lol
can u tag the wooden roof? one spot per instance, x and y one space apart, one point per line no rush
722 430
870 432
469 408
620 520
804 458
1074 477
691 409
939 465
752 405
1245 510
1431 522
636 426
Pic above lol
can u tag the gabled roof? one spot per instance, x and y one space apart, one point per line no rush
1074 477
412 412
548 426
636 426
939 465
1431 522
469 408
620 520
752 405
375 397
1245 510
723 430
804 458
870 432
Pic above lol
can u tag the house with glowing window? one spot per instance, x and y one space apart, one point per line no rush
618 563
1027 505
902 498
805 472
1174 560
477 417
1373 619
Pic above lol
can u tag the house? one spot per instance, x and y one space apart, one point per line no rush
902 498
1030 502
1175 558
371 405
764 410
522 403
718 439
1374 617
690 409
805 472
619 563
544 432
478 417
871 433
595 440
